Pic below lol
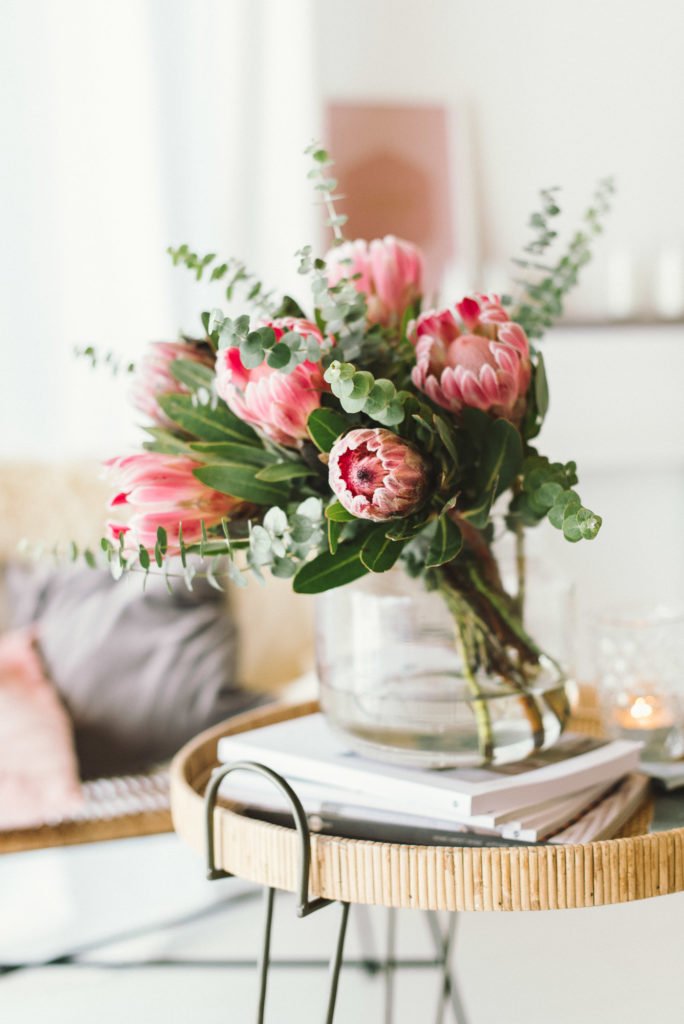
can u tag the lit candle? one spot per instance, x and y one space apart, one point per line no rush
647 718
644 713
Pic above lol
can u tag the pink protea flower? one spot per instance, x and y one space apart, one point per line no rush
487 367
391 274
161 490
153 375
480 310
277 403
377 475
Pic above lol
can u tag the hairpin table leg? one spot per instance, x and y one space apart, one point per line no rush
449 992
336 963
265 957
390 961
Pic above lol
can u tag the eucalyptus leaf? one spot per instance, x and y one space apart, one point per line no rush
279 356
252 351
284 568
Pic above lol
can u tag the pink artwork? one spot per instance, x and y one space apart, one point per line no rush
392 164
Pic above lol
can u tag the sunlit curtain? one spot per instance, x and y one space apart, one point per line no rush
127 127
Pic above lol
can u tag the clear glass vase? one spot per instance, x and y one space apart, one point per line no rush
392 678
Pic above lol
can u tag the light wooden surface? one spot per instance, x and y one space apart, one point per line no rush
633 867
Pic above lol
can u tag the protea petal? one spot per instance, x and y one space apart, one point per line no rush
487 368
161 490
278 404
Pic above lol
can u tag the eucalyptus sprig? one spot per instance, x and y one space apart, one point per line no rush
326 186
547 491
283 354
546 285
359 392
109 360
234 270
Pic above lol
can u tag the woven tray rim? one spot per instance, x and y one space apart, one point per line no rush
632 867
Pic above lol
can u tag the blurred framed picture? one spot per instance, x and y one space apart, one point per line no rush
408 170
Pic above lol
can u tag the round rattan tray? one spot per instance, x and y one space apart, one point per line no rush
634 866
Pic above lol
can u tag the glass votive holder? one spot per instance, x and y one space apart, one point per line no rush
640 675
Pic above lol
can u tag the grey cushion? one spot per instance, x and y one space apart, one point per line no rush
140 673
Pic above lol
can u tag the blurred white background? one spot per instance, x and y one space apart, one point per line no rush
133 125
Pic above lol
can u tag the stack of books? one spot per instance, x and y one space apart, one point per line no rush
581 789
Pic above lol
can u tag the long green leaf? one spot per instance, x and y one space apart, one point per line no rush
166 443
407 529
478 514
327 571
241 482
233 451
502 458
325 426
446 544
335 529
541 387
379 553
338 513
284 471
194 375
446 437
206 424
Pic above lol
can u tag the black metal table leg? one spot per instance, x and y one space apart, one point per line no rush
265 958
449 993
336 963
305 906
390 963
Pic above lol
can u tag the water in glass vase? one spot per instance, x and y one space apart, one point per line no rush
392 680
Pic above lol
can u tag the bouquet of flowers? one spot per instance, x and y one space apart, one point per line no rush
359 434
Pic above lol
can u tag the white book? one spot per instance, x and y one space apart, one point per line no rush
332 804
307 748
609 815
670 774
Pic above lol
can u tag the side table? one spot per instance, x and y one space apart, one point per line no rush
324 870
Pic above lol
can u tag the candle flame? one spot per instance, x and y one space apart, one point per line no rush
642 708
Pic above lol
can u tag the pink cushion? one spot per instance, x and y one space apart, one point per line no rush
38 770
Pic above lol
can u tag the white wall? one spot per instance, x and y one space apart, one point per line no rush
557 94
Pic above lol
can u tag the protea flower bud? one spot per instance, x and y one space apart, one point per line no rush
486 368
390 274
161 490
153 376
276 403
377 475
